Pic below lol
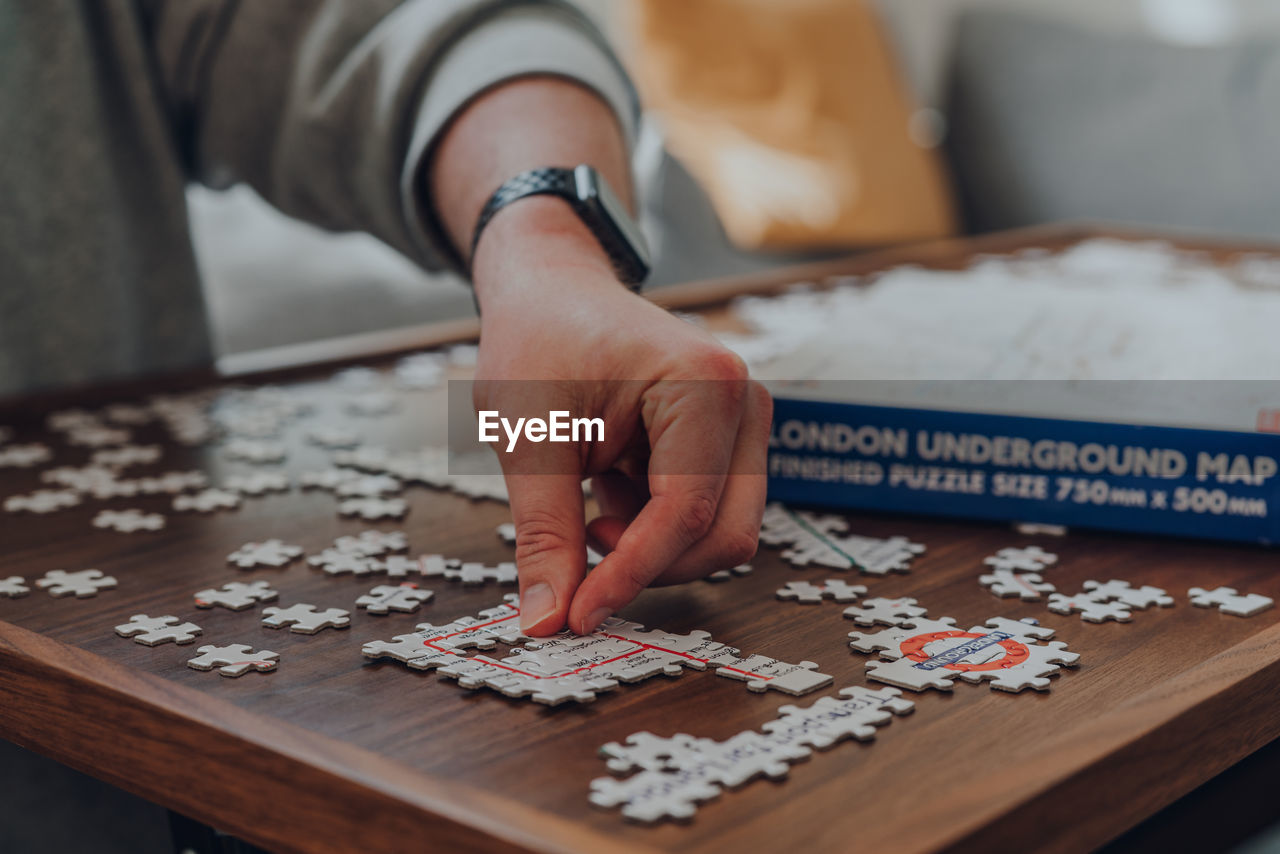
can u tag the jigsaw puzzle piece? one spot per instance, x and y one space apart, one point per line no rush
234 660
1229 601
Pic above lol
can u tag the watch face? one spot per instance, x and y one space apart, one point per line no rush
595 192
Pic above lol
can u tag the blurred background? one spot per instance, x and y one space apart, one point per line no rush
776 132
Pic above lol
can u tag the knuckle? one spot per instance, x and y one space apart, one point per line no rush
632 578
539 536
738 547
726 365
697 513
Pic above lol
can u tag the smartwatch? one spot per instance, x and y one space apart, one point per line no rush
596 205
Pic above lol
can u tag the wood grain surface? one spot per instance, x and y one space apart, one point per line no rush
336 753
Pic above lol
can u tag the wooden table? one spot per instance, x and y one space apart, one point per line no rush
335 753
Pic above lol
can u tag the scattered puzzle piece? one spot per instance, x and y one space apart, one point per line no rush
1024 559
812 594
1112 600
477 574
1135 597
271 552
255 451
334 562
153 631
257 483
127 455
128 521
717 576
372 509
13 587
305 619
234 660
368 486
1007 584
236 595
82 585
428 566
42 501
24 456
384 598
372 543
885 612
207 501
1229 601
1090 608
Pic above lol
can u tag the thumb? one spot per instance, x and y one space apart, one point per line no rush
551 552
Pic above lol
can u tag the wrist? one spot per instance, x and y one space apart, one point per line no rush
537 244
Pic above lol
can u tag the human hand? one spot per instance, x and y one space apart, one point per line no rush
679 476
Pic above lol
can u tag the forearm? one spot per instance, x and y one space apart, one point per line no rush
525 124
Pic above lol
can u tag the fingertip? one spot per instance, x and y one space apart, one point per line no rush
540 612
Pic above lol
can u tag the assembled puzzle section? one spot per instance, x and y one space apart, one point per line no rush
674 775
569 667
921 654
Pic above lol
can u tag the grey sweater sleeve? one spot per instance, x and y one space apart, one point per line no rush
329 107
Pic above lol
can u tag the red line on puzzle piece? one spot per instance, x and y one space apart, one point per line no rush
640 647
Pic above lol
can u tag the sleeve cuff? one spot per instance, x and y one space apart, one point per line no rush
532 40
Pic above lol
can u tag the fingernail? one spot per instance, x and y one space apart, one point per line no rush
537 603
598 616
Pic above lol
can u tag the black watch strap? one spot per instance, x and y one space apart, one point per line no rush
561 182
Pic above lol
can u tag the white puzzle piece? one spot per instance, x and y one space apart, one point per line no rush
207 501
1022 559
271 552
372 509
807 593
1007 584
13 587
236 595
42 501
82 585
885 612
128 521
153 631
1229 601
257 483
405 598
305 619
234 660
